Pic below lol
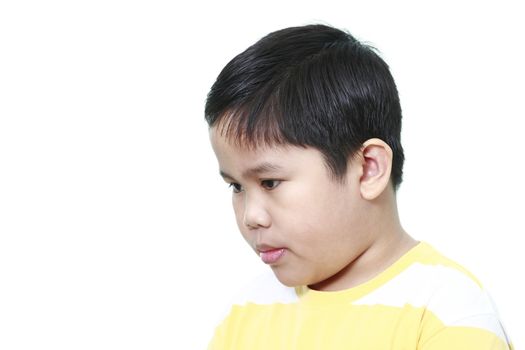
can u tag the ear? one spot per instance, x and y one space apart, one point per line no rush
376 165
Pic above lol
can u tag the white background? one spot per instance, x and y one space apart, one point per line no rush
116 231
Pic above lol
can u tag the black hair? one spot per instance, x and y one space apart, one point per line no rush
312 85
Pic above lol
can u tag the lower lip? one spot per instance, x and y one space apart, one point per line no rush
271 256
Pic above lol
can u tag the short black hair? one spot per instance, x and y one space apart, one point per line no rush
314 86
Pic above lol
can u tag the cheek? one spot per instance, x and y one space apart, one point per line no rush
303 219
238 210
311 206
322 220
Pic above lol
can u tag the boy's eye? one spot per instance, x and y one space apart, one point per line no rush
236 187
267 184
270 184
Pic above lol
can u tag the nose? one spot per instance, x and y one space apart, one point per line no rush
255 213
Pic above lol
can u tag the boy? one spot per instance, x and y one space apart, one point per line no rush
306 128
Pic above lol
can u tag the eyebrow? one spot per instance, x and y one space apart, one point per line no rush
262 168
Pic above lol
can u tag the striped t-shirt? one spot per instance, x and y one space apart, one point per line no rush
423 301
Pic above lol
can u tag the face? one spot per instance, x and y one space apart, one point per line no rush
306 226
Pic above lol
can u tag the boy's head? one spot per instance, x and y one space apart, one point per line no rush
313 86
306 128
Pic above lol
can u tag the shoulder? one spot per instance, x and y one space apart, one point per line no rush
433 281
425 276
443 288
459 299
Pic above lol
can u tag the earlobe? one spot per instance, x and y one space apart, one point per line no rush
376 168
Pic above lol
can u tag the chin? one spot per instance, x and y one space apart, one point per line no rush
289 279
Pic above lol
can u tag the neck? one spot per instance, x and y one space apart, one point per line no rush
388 241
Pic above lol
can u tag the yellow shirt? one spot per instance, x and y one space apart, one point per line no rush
423 301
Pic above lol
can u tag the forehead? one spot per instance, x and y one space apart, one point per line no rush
233 156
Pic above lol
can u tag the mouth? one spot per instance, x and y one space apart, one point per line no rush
271 255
